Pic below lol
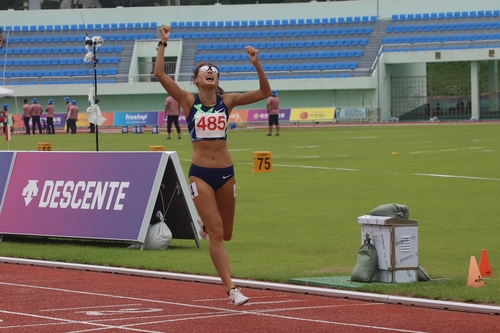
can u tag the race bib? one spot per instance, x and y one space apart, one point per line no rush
210 125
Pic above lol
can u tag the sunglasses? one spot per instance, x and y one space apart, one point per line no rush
206 68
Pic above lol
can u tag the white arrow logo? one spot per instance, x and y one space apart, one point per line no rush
30 191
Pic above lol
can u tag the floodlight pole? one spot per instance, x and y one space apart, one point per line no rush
378 61
95 61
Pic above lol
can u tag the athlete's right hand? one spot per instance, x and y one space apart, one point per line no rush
165 32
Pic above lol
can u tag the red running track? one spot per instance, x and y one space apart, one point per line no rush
44 299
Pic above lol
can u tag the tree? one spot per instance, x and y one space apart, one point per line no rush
12 4
51 4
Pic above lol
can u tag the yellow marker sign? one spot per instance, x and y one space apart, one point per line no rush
156 148
262 161
45 146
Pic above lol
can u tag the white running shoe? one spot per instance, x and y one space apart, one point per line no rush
236 297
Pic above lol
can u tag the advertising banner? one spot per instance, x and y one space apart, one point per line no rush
102 195
238 116
135 118
352 113
6 159
312 114
261 116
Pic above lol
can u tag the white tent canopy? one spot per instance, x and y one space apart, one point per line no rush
4 92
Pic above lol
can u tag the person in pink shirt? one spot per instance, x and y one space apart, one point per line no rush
50 116
36 111
172 110
73 116
26 116
4 117
273 110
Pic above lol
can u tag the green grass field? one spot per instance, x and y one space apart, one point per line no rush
300 220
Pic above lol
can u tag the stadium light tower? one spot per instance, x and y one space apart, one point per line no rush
93 112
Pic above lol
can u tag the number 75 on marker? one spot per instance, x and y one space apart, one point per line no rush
262 161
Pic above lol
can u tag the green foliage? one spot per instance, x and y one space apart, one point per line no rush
300 220
12 4
51 4
453 68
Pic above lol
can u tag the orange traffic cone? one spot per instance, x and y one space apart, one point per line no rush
484 264
475 280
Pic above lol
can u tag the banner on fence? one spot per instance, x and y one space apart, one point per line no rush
113 195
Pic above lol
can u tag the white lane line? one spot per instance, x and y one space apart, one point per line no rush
276 302
226 312
305 156
90 307
197 314
225 298
452 176
344 324
317 307
66 321
314 167
385 172
265 314
444 150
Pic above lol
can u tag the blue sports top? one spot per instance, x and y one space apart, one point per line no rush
208 123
